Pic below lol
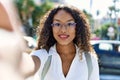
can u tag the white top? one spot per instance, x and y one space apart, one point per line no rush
78 69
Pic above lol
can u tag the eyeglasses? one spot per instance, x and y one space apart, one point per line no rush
68 25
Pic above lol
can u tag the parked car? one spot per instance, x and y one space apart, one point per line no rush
108 52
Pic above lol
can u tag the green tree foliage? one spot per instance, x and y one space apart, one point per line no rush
25 8
97 32
102 32
30 13
113 10
40 10
89 16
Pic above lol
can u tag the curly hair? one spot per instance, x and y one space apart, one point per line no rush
82 38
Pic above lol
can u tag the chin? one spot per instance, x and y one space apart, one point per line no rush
63 43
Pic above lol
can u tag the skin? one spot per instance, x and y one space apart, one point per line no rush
12 46
11 43
4 21
10 35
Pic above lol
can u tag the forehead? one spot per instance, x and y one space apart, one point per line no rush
63 16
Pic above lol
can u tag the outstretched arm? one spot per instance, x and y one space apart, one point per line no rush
12 45
29 65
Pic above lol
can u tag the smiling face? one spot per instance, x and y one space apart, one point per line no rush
63 28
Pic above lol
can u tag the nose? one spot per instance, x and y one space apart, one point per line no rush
63 29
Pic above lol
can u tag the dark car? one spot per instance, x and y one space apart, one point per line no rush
108 52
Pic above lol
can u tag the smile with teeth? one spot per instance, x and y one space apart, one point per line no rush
63 36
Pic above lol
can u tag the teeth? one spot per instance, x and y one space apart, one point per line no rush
63 36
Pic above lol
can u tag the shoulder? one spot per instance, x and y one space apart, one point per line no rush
95 63
41 53
93 57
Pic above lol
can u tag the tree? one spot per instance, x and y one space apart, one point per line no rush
113 10
104 30
89 16
30 13
25 8
39 11
91 20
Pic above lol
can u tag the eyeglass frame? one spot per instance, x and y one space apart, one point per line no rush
67 25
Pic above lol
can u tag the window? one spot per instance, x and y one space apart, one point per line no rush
117 47
105 46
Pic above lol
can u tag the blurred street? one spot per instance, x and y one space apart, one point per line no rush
109 77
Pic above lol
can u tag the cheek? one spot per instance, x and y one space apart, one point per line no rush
54 32
73 33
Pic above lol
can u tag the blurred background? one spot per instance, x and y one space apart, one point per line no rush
104 18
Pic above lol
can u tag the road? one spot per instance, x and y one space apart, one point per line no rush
109 77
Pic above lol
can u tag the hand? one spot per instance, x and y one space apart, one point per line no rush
11 42
11 47
8 72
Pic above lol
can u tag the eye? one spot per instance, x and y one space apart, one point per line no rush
71 24
56 24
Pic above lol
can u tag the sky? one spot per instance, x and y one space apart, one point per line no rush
101 5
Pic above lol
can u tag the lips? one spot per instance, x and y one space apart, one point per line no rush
63 36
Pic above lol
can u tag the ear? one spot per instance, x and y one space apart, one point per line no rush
4 19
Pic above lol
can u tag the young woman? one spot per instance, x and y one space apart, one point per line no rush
64 40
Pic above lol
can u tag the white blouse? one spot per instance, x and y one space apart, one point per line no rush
78 69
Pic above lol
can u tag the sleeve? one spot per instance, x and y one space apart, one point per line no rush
95 72
41 54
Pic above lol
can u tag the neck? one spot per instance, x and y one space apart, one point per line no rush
66 49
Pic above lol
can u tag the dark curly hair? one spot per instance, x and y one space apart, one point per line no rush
82 38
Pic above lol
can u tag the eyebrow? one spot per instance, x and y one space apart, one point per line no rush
60 21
